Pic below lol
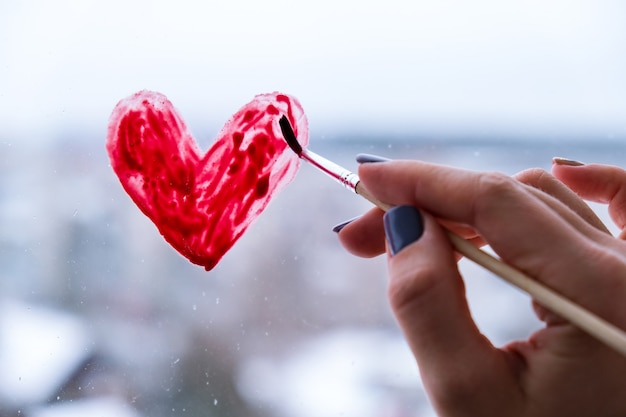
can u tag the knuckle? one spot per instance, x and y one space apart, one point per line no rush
494 183
492 189
400 294
409 285
533 177
618 207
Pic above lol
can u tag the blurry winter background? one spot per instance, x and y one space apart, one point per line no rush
99 316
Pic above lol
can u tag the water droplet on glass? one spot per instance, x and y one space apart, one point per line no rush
217 300
215 401
194 307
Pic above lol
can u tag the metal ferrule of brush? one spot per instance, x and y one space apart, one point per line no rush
340 174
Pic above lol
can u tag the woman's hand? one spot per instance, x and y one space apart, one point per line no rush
559 370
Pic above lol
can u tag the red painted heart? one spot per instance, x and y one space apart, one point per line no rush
202 204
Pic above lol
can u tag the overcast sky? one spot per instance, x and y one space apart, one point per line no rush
444 65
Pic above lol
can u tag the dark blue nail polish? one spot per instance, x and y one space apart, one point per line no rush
365 158
403 226
341 225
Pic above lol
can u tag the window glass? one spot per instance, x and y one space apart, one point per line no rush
100 316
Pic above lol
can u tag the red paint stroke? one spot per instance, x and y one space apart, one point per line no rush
203 203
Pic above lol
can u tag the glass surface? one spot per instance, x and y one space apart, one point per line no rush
100 316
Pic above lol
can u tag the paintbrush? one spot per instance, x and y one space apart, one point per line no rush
595 326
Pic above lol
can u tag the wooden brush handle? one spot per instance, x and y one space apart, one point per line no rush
602 330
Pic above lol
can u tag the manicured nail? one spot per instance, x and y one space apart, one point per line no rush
365 158
340 226
564 161
403 226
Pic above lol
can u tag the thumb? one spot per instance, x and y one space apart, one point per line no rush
595 182
427 296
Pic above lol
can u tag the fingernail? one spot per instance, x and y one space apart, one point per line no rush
365 158
340 226
564 161
403 226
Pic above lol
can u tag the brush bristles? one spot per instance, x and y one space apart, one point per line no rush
289 135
